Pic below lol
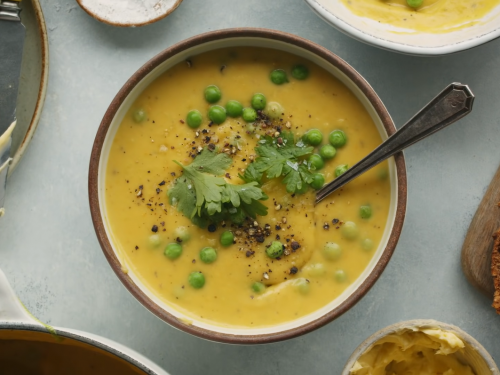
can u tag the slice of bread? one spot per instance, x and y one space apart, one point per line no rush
495 270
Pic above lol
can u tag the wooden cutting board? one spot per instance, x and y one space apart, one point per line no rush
478 244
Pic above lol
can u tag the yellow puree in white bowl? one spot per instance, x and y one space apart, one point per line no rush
412 352
434 16
143 154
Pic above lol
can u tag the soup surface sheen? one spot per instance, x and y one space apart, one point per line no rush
434 16
142 158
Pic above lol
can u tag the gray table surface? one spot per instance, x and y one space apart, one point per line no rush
49 251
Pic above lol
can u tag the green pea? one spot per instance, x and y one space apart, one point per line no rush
275 250
208 255
258 287
367 244
318 180
182 233
227 238
332 251
212 94
365 212
350 230
340 276
139 115
316 162
337 138
173 250
314 269
258 101
154 240
341 169
274 110
313 137
302 285
414 3
217 114
303 189
249 114
194 119
327 152
234 108
300 72
251 127
196 279
383 174
278 77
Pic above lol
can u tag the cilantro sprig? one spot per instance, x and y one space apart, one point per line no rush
206 198
280 157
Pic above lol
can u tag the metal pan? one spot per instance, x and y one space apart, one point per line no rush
19 326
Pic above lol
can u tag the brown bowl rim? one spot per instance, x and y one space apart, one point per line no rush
98 222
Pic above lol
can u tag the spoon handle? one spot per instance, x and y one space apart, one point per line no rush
453 103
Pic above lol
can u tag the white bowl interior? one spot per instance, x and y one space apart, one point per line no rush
473 354
256 42
404 40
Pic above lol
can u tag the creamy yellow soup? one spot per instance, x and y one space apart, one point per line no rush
434 16
141 170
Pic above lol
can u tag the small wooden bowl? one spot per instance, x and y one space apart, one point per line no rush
258 38
474 354
129 13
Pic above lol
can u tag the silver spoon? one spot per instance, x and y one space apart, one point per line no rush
453 103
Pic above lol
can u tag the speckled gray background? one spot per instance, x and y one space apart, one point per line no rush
49 251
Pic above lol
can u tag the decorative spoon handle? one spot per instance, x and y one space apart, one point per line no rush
453 103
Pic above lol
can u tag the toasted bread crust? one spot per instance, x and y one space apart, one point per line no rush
495 270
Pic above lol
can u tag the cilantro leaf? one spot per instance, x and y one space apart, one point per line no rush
238 215
254 209
290 149
296 176
280 157
211 162
251 174
206 198
246 193
269 161
208 189
184 198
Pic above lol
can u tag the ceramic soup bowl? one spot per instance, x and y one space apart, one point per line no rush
180 52
473 354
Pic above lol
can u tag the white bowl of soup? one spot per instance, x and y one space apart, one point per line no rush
421 346
433 27
202 183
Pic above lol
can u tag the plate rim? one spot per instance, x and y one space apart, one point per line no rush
42 91
129 24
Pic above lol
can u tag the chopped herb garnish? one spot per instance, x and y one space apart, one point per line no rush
280 157
206 198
